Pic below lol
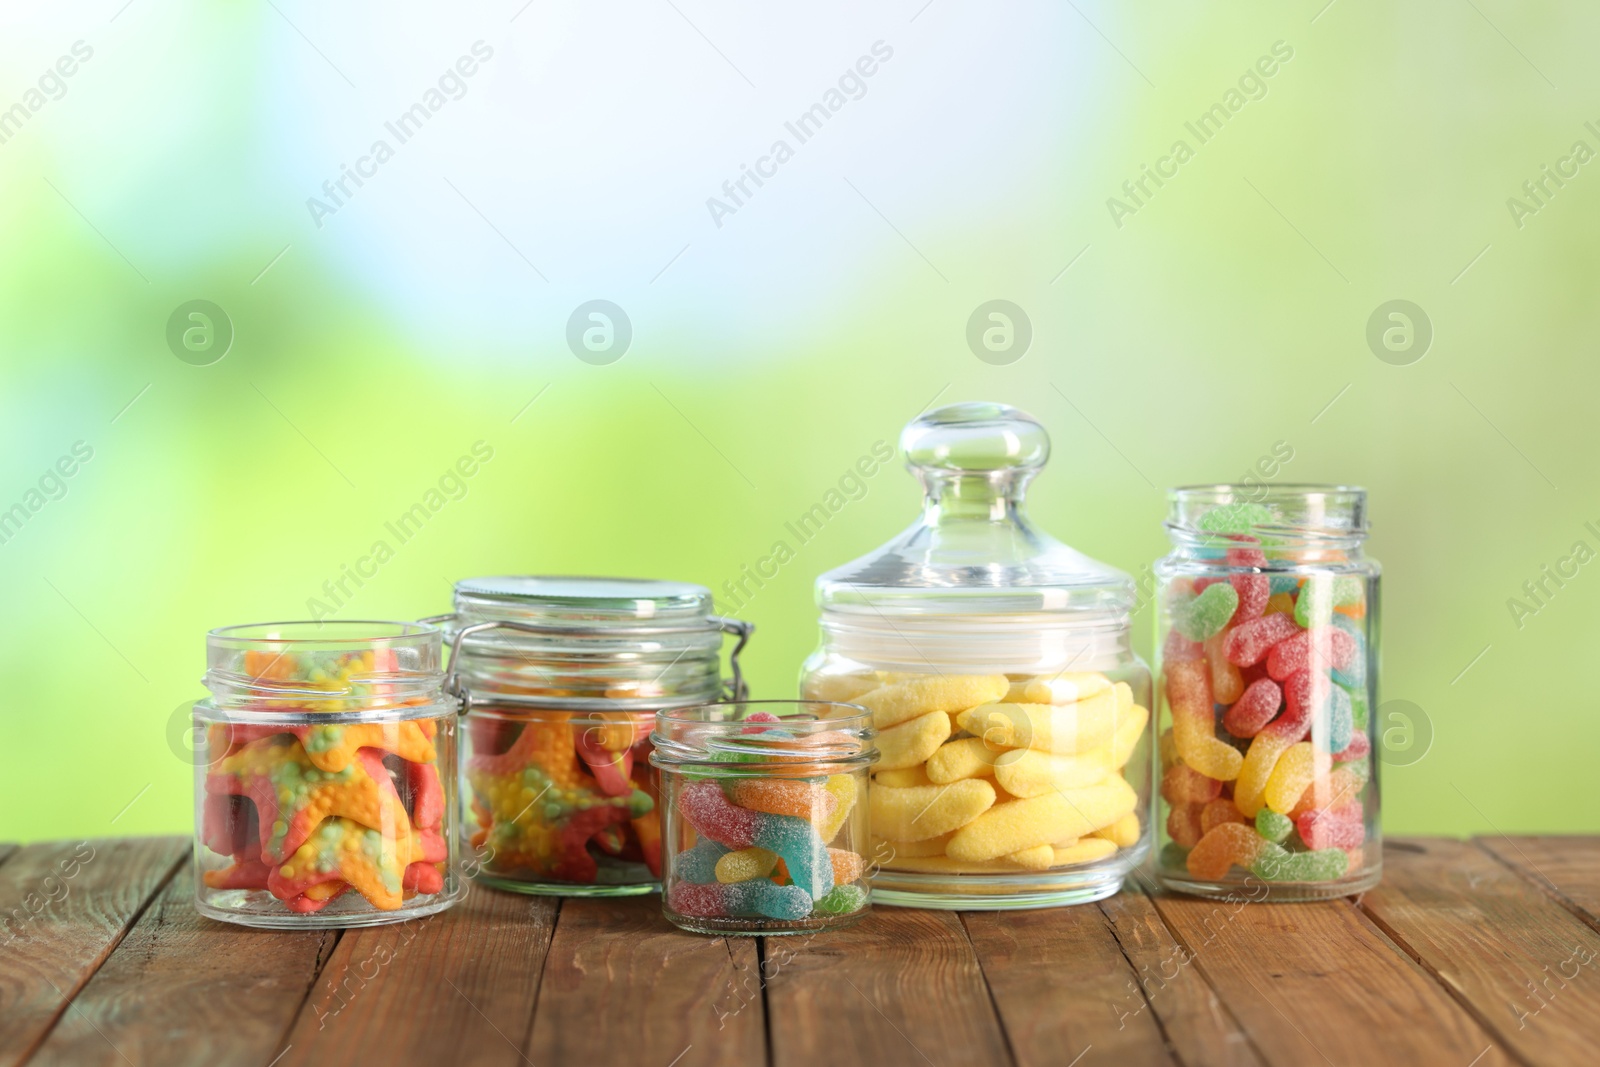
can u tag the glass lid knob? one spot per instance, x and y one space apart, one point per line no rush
978 438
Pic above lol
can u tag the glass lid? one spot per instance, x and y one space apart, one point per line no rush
974 551
560 599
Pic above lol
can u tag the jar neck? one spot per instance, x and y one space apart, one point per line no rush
1281 549
1029 643
790 738
989 496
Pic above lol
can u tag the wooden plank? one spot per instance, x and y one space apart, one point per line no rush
63 908
6 850
1568 867
1525 966
1187 1009
1063 987
622 985
457 987
900 987
182 989
1315 983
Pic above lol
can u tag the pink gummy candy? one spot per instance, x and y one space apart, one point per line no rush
1358 748
1339 827
712 815
1254 709
1246 557
697 901
1253 590
1301 692
1328 646
760 716
1250 641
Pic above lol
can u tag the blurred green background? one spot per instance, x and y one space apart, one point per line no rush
1229 311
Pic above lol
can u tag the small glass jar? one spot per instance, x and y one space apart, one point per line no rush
325 795
1011 710
1267 633
563 677
764 817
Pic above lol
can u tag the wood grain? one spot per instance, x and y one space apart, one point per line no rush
1523 964
1063 987
622 985
182 989
455 988
63 908
1190 1014
900 987
1317 983
1567 867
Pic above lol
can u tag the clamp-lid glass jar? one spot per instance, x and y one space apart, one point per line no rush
325 794
1268 644
764 815
1014 766
563 677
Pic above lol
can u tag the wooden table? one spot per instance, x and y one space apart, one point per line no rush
1471 954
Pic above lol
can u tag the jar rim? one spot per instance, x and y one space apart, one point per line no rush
328 631
1286 513
705 735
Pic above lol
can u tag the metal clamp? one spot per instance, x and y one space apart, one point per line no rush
735 687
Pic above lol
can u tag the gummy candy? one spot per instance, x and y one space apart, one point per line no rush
1185 785
843 789
1216 812
699 864
1248 642
1194 722
745 864
1299 765
913 741
921 812
1226 682
1200 617
1339 827
1310 648
1279 604
709 811
1274 826
1224 846
1283 584
1275 864
1064 729
970 757
1235 518
785 796
841 900
1020 824
759 897
1254 709
1314 606
1254 591
894 704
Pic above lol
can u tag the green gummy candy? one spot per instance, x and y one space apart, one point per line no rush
1348 590
1197 618
1358 707
1273 826
1235 518
1174 856
841 900
1314 605
1277 864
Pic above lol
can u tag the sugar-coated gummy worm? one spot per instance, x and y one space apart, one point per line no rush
911 743
1063 688
923 812
894 704
1194 722
1064 729
1020 824
1223 847
969 757
1124 833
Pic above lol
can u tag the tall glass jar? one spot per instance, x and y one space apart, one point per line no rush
563 677
1267 633
763 808
1014 767
326 791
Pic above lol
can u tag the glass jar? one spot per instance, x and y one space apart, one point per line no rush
764 816
1011 711
1268 653
326 791
563 677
